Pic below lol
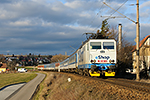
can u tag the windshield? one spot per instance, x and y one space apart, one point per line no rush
108 45
95 45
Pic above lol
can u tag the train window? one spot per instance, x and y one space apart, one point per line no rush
95 45
87 47
84 48
72 59
108 45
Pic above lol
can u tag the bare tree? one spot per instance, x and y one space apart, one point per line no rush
11 65
2 58
58 58
125 58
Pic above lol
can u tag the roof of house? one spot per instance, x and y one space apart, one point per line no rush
141 43
4 65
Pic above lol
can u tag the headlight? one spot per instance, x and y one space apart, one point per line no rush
93 61
111 61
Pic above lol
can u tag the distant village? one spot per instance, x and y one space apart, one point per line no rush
10 62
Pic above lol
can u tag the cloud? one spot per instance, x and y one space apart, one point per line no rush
52 26
49 42
145 4
6 1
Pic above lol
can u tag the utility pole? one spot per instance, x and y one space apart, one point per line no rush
120 40
137 37
137 44
65 53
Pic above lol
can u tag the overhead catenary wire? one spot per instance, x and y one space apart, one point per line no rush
110 15
118 8
120 13
102 5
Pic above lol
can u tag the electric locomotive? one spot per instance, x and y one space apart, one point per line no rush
95 57
98 57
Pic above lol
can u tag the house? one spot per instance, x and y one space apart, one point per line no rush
144 54
3 67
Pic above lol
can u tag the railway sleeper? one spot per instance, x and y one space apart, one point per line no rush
81 72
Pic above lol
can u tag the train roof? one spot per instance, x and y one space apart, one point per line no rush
92 39
86 42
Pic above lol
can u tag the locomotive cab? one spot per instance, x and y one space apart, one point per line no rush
102 57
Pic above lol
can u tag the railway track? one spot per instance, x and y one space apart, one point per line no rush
132 84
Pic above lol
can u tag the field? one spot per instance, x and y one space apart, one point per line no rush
29 67
13 78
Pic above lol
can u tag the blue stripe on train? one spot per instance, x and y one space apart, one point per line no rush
98 65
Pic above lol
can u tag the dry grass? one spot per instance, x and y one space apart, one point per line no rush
57 87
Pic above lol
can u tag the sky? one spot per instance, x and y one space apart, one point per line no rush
50 27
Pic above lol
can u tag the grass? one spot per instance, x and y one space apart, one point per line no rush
36 97
30 67
13 78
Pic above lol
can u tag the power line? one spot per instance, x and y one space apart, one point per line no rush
97 14
102 5
110 15
100 24
118 8
120 13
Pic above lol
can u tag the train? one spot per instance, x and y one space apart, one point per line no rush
95 57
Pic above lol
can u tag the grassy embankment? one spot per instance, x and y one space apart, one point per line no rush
13 78
57 87
41 87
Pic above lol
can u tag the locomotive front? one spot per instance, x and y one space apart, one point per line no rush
102 57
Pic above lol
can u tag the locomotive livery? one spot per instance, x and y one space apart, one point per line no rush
95 57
